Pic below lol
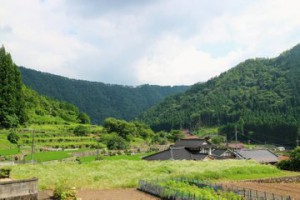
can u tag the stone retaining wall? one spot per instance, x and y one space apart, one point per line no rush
26 189
286 179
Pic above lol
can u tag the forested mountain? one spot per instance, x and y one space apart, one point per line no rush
261 96
20 105
98 100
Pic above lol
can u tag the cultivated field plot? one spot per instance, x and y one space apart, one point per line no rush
284 189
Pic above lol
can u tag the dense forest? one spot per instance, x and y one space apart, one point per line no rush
99 100
259 96
20 105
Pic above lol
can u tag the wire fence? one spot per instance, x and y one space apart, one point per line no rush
245 193
165 194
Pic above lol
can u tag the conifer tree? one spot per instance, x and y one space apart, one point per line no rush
11 99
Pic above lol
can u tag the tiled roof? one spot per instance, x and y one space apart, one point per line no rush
219 152
176 153
260 155
192 143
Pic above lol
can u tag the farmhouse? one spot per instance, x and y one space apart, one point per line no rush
202 149
178 153
191 149
260 155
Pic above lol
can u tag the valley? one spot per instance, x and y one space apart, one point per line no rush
58 143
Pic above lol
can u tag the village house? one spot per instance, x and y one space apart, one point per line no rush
202 149
191 149
259 155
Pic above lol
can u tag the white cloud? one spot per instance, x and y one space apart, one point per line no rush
158 42
172 61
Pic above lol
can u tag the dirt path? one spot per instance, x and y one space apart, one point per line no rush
285 189
117 194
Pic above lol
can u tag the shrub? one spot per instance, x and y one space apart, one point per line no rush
84 118
5 172
114 142
293 163
81 130
63 192
13 137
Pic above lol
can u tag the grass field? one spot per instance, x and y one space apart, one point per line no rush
48 156
107 174
139 156
4 143
6 152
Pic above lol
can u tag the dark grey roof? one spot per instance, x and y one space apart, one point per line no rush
219 152
176 153
260 155
192 143
163 155
180 153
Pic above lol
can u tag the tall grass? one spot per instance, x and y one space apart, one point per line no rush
107 174
49 155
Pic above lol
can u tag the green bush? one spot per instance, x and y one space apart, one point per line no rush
114 142
63 192
13 137
81 130
293 163
5 172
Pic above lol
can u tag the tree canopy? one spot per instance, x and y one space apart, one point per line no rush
12 111
262 94
97 99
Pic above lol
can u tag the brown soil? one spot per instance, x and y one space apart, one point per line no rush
285 189
117 194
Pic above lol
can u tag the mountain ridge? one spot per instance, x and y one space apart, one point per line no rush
97 99
255 93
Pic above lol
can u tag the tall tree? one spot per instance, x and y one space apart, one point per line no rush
11 98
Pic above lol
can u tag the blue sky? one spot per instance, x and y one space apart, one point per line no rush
165 42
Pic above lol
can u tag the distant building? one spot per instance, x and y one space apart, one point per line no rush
178 153
202 149
260 155
189 149
223 154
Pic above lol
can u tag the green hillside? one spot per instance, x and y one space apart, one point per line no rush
261 96
44 110
20 105
99 100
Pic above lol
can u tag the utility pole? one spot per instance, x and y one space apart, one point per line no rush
32 146
236 143
97 152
